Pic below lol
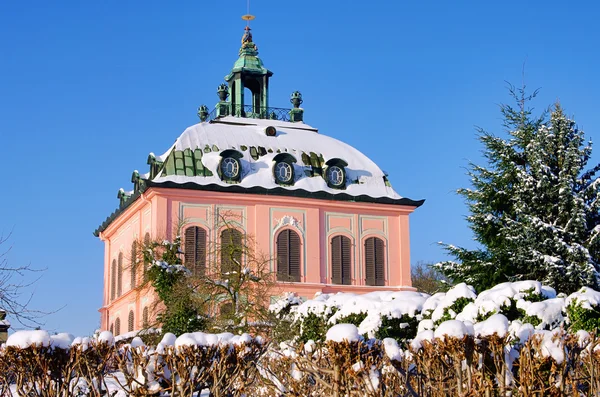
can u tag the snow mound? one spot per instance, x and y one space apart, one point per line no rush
343 332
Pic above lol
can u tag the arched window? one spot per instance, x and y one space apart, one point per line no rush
134 254
112 329
113 280
288 256
117 327
146 262
120 275
231 250
130 321
374 261
145 317
195 250
340 260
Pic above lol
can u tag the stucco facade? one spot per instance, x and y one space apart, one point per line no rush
316 221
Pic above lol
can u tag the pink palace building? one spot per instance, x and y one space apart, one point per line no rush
325 212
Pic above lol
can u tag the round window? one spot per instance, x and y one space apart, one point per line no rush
335 176
284 173
230 168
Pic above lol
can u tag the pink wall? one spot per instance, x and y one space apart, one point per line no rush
157 211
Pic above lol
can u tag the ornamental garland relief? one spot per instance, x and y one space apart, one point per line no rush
288 220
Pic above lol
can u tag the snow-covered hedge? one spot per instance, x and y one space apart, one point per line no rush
512 338
404 316
61 365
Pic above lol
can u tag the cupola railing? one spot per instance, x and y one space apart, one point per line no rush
251 112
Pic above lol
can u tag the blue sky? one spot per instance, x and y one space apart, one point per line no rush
88 89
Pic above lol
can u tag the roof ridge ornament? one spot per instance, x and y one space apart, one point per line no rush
248 46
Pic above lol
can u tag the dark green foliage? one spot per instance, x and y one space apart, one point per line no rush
533 208
353 318
402 329
315 327
533 320
457 306
169 278
582 318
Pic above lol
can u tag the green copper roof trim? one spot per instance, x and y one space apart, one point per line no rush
248 62
278 191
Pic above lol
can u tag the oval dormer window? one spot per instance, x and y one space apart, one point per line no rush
284 173
335 176
230 168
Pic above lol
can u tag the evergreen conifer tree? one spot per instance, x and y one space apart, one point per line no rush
534 210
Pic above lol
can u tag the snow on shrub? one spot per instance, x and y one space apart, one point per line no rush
583 310
402 315
378 314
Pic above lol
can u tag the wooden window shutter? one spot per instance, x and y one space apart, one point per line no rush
346 257
112 329
288 256
283 256
133 264
120 275
145 317
195 250
113 280
336 260
379 262
146 262
294 257
117 326
200 267
370 261
231 250
130 321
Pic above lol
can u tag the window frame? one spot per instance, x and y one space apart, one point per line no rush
286 275
200 233
379 258
341 241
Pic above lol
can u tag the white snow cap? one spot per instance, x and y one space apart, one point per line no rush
106 337
586 297
343 332
292 138
25 339
453 329
496 324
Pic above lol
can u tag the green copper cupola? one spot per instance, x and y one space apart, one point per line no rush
249 72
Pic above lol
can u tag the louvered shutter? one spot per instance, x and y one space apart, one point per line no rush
120 275
370 261
195 250
225 251
379 262
130 321
200 259
113 280
133 264
346 255
336 260
283 256
231 250
117 326
294 256
190 248
146 261
145 317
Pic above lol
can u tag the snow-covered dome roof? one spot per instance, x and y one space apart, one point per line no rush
252 140
195 157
